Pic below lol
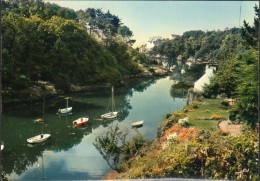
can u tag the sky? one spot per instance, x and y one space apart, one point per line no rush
147 19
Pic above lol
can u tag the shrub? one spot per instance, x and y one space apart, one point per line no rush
179 114
186 134
184 121
215 116
216 157
194 105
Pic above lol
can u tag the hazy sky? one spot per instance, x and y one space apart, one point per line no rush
163 18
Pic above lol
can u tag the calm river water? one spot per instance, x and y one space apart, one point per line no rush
70 153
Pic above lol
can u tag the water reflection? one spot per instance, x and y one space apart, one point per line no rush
70 153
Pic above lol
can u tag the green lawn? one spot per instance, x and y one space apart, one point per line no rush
200 117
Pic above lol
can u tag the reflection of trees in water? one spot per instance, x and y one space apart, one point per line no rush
141 85
26 156
19 157
63 136
178 92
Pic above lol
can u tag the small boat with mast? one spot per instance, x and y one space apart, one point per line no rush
112 114
41 137
67 109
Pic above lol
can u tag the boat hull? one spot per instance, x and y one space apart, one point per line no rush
80 122
138 123
65 110
110 115
38 139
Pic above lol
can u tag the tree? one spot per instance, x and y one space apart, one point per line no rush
114 147
250 34
88 17
125 32
231 46
110 145
247 89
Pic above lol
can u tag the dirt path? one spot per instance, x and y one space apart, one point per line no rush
233 129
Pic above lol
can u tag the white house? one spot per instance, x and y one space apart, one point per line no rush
198 85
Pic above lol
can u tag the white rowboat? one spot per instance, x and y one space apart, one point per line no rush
138 123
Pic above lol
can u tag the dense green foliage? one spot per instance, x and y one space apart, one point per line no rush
237 76
208 156
211 45
236 53
43 41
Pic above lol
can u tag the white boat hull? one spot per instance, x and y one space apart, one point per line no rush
110 115
2 146
138 123
39 138
80 122
39 120
65 110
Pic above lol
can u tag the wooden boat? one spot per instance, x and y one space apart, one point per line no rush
112 114
138 123
39 138
80 122
67 109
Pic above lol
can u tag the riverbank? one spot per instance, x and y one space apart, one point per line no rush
181 148
68 144
39 89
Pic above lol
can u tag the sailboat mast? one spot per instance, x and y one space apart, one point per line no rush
43 107
113 100
43 113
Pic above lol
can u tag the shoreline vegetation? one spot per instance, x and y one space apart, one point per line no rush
40 89
200 148
49 51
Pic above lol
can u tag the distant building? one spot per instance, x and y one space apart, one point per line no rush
173 36
154 41
190 61
205 79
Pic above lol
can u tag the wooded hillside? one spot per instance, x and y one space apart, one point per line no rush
43 41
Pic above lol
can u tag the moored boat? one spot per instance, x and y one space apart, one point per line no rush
2 145
39 138
38 120
67 109
138 123
80 122
112 114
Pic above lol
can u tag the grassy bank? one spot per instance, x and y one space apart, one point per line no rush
207 114
196 149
